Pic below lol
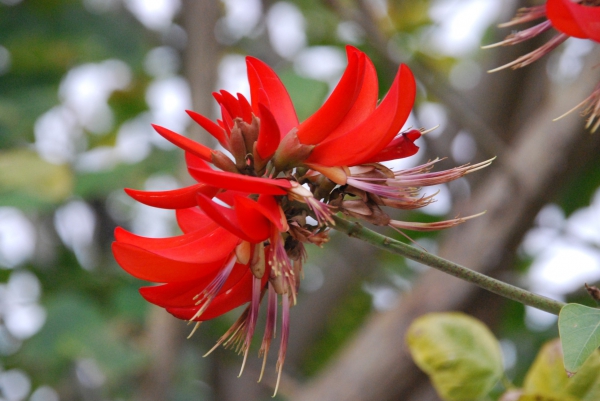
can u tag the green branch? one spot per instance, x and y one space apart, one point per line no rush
509 291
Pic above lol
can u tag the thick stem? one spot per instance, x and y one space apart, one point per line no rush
506 290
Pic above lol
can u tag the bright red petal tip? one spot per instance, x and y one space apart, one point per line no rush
243 183
261 76
184 143
176 199
318 126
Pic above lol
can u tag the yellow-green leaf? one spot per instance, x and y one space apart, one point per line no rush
459 353
547 377
579 328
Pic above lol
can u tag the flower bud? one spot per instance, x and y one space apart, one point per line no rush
291 152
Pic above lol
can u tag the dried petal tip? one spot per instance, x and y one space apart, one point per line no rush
534 55
427 131
592 108
438 225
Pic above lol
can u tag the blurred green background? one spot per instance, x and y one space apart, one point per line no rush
80 83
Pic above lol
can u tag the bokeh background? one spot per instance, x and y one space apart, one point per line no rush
80 83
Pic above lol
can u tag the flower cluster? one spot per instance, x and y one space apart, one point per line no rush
578 19
245 223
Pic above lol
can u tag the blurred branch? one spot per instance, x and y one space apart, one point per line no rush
501 288
165 333
375 365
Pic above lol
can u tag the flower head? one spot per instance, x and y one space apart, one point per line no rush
578 19
245 225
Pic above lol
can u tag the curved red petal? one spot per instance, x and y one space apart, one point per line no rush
402 146
193 219
238 295
374 133
184 143
227 120
268 206
562 18
149 266
318 126
269 136
175 199
261 76
229 195
243 183
365 102
230 102
223 216
203 247
245 107
254 223
126 237
182 293
212 128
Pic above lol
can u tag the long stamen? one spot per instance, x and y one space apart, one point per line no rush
210 292
522 36
525 14
254 305
285 330
438 225
534 55
270 328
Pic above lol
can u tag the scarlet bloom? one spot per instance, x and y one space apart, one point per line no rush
578 19
245 225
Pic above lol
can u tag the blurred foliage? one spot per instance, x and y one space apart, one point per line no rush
95 313
459 354
455 351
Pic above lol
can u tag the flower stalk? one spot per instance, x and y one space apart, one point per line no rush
357 230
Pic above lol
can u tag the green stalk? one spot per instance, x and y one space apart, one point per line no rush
506 290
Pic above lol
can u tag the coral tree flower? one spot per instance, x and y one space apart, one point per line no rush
578 19
244 224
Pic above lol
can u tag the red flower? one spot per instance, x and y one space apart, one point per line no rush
577 19
244 227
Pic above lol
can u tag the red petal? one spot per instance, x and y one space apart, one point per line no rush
318 126
229 195
195 163
243 183
223 216
184 143
574 19
203 246
246 108
176 199
402 146
365 102
238 295
227 119
193 219
217 132
271 209
181 294
269 136
374 133
250 220
261 76
148 266
231 104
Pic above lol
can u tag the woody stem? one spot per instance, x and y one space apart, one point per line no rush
506 290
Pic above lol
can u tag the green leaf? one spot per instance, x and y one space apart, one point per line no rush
548 381
579 328
459 353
